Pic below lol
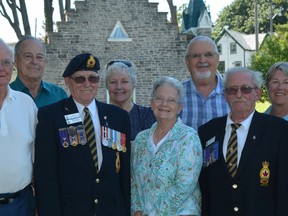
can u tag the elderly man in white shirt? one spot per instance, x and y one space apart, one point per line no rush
18 118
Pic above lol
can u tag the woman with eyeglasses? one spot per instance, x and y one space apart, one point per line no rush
166 159
120 80
276 83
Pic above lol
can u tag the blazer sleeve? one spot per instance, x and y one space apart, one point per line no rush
45 167
125 164
282 186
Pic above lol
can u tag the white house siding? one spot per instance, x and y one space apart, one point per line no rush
245 48
228 58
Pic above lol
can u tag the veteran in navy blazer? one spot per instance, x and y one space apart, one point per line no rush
67 180
258 184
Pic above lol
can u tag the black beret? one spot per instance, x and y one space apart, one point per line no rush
84 61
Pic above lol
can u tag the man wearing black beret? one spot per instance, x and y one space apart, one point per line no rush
82 150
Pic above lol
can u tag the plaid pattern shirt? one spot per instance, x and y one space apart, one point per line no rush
198 110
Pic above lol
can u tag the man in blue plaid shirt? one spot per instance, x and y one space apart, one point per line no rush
204 98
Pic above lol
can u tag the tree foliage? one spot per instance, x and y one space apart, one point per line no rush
274 49
180 11
240 16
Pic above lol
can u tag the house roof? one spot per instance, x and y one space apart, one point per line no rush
247 42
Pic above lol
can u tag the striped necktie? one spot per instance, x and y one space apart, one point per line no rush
90 136
231 155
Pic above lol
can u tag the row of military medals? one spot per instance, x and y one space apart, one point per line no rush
72 136
76 135
113 139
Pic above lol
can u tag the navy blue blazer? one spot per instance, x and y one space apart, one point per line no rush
66 183
257 189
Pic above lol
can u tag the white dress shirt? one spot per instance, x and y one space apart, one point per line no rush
242 132
97 127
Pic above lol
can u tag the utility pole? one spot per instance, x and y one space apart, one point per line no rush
256 26
35 27
271 18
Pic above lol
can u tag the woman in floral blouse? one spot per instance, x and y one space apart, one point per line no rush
166 159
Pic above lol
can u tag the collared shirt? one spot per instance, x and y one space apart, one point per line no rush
49 93
18 118
268 111
155 146
198 110
97 127
242 133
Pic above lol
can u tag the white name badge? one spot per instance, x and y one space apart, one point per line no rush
209 142
72 118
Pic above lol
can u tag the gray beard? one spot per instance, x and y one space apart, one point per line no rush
203 75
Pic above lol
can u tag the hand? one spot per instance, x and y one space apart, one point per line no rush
138 213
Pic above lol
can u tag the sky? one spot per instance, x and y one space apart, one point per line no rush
36 15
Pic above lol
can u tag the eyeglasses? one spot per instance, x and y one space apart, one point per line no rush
198 56
161 100
82 79
128 64
243 89
6 63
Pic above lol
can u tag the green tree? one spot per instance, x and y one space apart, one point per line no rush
240 16
180 10
274 49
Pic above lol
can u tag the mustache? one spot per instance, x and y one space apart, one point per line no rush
202 64
239 101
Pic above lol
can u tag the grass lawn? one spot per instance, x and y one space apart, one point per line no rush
261 107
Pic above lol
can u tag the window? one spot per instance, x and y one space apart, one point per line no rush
119 33
219 48
221 67
237 63
233 48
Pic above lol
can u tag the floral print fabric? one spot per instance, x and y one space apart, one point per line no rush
166 182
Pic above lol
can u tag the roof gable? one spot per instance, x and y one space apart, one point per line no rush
196 10
205 20
247 42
